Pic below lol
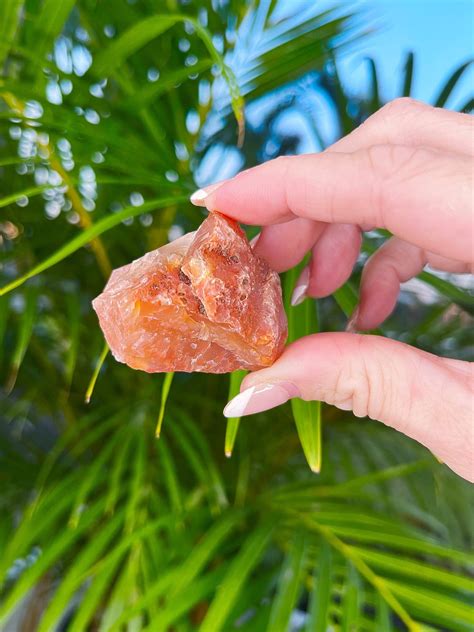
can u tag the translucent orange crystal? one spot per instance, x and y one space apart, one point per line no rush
204 302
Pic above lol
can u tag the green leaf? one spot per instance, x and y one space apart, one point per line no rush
24 335
121 596
75 575
374 92
438 607
29 192
195 461
51 556
90 478
378 476
346 298
10 11
380 584
450 84
383 621
320 596
403 543
16 160
233 422
164 564
4 311
290 583
165 389
121 460
88 235
166 82
296 47
468 106
96 593
212 475
352 600
203 587
417 570
136 486
76 439
74 321
49 23
176 583
148 29
302 321
99 364
449 290
128 541
170 476
239 569
200 556
408 74
131 41
57 501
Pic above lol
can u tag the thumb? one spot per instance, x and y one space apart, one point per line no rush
425 397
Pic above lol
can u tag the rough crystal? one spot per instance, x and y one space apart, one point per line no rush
204 302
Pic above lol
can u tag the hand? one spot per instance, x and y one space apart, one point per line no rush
407 169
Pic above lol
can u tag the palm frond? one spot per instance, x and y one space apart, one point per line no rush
109 113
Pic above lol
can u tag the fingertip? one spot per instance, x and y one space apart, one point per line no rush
202 196
254 196
284 245
333 259
198 198
352 325
254 241
301 287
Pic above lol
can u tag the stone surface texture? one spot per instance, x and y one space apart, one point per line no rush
204 302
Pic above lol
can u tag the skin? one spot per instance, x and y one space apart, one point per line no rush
408 169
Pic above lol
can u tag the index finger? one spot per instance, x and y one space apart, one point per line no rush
420 195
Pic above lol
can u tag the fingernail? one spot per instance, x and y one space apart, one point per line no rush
198 197
351 326
254 241
301 287
261 397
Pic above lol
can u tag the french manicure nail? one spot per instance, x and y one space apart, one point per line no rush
301 287
198 197
261 397
351 326
254 241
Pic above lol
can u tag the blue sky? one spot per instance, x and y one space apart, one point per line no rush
440 32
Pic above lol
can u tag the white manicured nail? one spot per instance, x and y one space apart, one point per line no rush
199 196
261 397
351 326
254 241
299 293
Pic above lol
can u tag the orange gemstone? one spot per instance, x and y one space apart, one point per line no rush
204 302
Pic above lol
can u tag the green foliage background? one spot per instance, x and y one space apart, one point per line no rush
102 526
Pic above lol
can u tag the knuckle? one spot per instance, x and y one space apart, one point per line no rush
364 384
370 382
391 166
399 107
386 161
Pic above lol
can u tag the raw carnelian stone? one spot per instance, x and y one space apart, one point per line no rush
204 302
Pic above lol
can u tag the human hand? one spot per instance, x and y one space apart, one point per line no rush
407 169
